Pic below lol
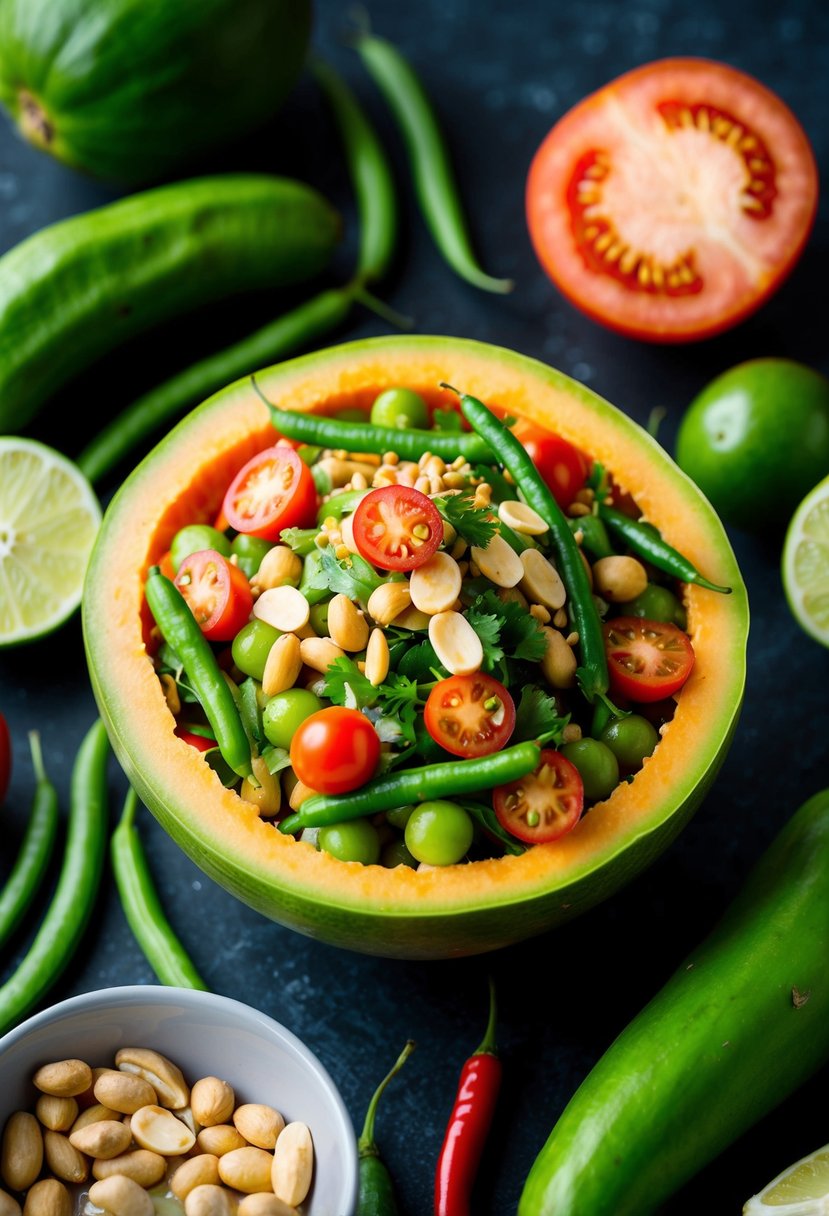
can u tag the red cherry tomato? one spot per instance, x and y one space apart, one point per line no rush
563 467
5 757
217 593
335 750
647 660
397 528
470 715
274 490
544 805
200 742
672 202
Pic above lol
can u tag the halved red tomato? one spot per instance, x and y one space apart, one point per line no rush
672 202
563 467
217 593
397 528
544 805
646 660
274 490
470 715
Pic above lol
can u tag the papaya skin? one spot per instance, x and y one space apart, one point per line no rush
78 288
130 90
742 1023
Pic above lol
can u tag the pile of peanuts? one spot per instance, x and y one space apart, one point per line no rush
139 1127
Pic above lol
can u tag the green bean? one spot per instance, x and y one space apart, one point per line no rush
432 172
180 630
593 676
370 175
66 917
33 859
646 542
416 785
142 907
595 539
168 401
409 444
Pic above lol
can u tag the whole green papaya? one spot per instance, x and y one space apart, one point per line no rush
129 90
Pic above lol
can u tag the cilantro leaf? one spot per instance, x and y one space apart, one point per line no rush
475 525
505 630
488 820
537 717
301 540
392 707
351 576
346 685
487 625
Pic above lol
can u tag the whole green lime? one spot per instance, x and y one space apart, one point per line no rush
756 439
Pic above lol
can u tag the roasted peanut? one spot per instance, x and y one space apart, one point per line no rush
58 1114
246 1169
142 1166
285 608
499 562
258 1123
319 653
210 1200
164 1076
219 1139
387 601
158 1130
263 1203
121 1196
280 567
21 1155
282 666
49 1197
293 1164
541 582
212 1101
94 1114
559 661
456 643
436 584
267 795
105 1138
377 657
124 1092
10 1207
64 1078
521 518
347 626
618 579
202 1170
63 1159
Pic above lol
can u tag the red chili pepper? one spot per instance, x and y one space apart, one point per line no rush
468 1124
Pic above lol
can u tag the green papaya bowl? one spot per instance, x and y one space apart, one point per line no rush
453 910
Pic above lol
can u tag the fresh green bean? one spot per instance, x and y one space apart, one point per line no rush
66 917
432 172
33 859
593 675
180 630
595 539
416 785
409 444
142 907
646 542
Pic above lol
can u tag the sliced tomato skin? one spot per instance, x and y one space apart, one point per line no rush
294 507
563 467
459 702
383 528
647 660
725 288
555 791
217 592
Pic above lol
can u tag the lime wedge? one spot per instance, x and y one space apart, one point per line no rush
801 1190
806 563
49 517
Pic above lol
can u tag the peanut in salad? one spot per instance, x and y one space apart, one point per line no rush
423 657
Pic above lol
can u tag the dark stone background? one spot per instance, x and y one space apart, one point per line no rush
499 74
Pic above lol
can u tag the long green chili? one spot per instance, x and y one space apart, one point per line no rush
35 851
595 539
376 1195
646 542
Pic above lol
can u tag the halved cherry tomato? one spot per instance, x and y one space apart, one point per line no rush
470 715
200 742
397 528
335 750
544 805
671 203
217 592
274 490
647 660
563 467
5 758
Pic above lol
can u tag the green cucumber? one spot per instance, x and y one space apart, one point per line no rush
78 288
743 1023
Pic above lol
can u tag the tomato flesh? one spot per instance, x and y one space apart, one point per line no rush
543 806
217 593
335 750
563 467
273 491
470 715
647 660
397 528
672 202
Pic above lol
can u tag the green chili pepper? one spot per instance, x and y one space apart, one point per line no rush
66 917
142 907
595 539
416 785
339 505
434 179
180 630
646 542
376 1194
33 859
517 541
593 677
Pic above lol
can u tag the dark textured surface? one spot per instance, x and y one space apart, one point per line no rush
499 74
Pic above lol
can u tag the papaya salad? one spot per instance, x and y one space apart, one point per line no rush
422 636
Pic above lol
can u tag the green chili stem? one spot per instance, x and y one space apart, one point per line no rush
32 860
646 542
366 1145
488 1045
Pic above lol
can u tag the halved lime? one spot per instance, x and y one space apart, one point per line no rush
49 517
806 563
801 1190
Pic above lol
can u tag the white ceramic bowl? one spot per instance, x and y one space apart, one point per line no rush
205 1035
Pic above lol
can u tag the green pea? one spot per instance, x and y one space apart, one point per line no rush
193 538
401 408
630 739
597 765
354 841
399 817
251 647
395 853
655 603
439 833
318 619
285 712
249 552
